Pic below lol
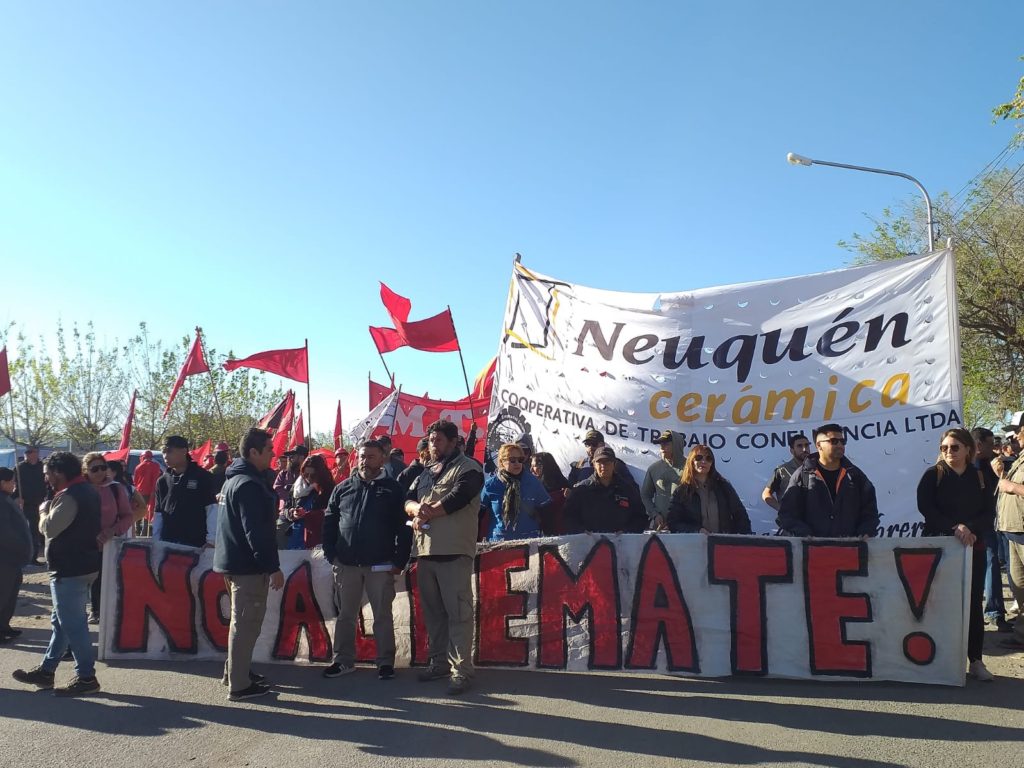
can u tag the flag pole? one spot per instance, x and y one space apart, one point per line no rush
394 421
462 362
391 376
309 407
213 384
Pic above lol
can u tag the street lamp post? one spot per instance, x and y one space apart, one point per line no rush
796 159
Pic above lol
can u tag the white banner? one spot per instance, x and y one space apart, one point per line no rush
740 368
679 603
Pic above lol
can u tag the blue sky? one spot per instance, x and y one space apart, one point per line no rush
256 168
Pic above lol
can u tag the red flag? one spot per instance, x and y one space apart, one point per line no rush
280 442
202 453
484 383
289 363
273 418
5 373
337 428
435 334
121 454
299 434
194 363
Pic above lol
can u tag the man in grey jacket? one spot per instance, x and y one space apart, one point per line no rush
662 478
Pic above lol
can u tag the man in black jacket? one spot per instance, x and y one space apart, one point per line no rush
828 496
185 510
605 502
71 524
247 556
31 489
367 542
408 476
580 470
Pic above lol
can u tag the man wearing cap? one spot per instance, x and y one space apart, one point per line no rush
1010 515
286 477
341 470
407 477
662 478
144 478
605 502
584 468
221 459
393 465
799 449
186 504
30 487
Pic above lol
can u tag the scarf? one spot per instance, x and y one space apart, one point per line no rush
512 498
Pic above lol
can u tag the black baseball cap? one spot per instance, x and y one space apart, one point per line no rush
604 453
298 450
593 436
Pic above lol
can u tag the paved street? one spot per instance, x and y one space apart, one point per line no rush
170 714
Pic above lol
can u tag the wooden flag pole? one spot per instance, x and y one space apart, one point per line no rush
213 384
309 400
462 362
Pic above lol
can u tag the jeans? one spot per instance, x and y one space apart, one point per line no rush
994 548
70 595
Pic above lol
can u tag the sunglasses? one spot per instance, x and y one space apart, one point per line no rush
950 448
515 460
98 468
705 459
833 441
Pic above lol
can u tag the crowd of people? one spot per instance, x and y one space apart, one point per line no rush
372 515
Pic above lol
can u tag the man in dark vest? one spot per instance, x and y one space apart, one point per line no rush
71 525
31 489
186 503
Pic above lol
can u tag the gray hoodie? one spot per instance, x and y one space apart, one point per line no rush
662 479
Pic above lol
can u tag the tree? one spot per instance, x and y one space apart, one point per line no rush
987 230
35 392
1014 108
93 388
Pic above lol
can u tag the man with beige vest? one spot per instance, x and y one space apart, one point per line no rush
1010 505
444 504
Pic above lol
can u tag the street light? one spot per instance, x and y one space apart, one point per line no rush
796 159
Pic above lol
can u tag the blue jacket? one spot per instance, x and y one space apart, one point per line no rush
532 497
365 523
246 523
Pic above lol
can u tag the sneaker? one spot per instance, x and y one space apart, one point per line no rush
337 670
38 677
434 672
253 678
94 619
1004 626
11 632
385 672
253 691
79 686
459 684
979 671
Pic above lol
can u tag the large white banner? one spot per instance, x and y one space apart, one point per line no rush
740 368
684 604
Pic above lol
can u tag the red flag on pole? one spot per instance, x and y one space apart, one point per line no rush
435 334
298 434
337 428
273 418
126 433
202 453
289 363
280 442
5 373
194 363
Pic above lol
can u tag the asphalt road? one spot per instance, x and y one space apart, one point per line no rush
169 714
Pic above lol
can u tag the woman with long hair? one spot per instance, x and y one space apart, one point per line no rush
115 514
512 497
705 502
116 473
954 501
312 492
546 469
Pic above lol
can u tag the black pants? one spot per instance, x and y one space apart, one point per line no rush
96 589
10 585
31 512
976 623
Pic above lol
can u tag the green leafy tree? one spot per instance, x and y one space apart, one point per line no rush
987 232
93 388
35 393
1014 108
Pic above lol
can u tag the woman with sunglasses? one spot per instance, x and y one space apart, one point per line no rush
705 502
312 492
512 498
954 501
115 514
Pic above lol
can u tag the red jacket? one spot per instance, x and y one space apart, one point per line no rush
146 475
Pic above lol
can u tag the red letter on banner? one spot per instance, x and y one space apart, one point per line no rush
592 593
168 598
300 611
747 566
496 603
215 624
829 609
660 614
